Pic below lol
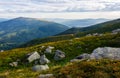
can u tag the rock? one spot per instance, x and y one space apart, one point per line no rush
49 49
46 76
116 31
43 59
13 64
59 55
1 50
42 47
33 56
81 57
106 53
88 35
40 67
95 34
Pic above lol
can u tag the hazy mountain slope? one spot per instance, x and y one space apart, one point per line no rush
20 30
3 19
78 22
98 28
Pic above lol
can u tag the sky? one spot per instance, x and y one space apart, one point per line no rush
67 9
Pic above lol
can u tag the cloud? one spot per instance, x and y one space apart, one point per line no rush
38 6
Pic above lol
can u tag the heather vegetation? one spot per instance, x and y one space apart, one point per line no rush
63 68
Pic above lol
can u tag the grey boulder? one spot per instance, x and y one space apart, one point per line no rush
44 60
49 49
59 55
38 68
106 53
13 64
33 56
81 57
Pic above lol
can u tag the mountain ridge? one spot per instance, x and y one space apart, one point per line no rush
24 29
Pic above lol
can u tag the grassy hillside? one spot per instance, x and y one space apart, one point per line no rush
98 28
20 30
48 39
72 48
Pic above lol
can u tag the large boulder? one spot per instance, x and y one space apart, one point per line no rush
106 53
43 59
59 55
33 56
49 49
40 67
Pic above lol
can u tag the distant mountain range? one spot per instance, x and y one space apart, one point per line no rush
78 22
105 27
98 28
3 19
20 30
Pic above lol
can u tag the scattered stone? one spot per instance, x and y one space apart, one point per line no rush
59 55
81 57
116 31
106 53
1 50
40 67
88 35
46 76
33 56
49 49
42 47
13 64
95 34
44 60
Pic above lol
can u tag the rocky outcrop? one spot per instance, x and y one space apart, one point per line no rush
106 52
59 55
40 67
49 49
33 56
43 59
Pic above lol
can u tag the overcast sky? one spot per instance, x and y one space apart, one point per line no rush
69 9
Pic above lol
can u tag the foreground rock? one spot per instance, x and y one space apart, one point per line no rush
59 55
44 60
46 76
106 52
100 53
49 49
33 56
38 68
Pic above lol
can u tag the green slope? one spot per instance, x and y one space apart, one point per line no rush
72 48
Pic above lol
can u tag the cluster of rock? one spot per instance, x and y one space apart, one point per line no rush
40 60
94 34
116 31
100 53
